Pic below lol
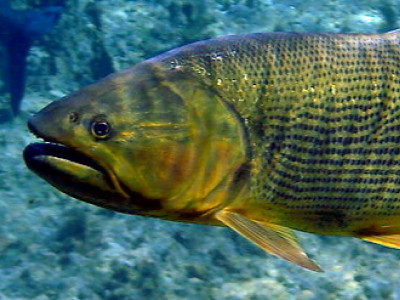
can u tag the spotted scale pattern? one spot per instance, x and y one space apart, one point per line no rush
323 116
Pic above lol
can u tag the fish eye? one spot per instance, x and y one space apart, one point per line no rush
100 129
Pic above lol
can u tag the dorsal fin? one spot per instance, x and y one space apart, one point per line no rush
274 239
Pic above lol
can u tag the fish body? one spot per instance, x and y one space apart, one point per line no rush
263 133
18 30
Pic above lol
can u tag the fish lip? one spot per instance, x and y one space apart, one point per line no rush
51 147
33 129
58 150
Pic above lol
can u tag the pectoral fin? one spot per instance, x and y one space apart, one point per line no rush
275 239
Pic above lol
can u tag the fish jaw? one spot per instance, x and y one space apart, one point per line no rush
71 171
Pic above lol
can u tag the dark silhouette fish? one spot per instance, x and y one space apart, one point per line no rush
18 30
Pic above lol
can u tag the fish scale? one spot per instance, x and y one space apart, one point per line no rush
315 103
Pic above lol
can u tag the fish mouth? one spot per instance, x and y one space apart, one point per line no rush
36 153
70 170
50 148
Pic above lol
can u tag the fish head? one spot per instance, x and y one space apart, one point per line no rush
148 140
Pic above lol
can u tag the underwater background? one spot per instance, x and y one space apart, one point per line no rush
55 247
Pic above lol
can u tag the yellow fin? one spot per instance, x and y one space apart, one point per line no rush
275 239
391 240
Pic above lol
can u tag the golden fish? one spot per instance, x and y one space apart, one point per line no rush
258 132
